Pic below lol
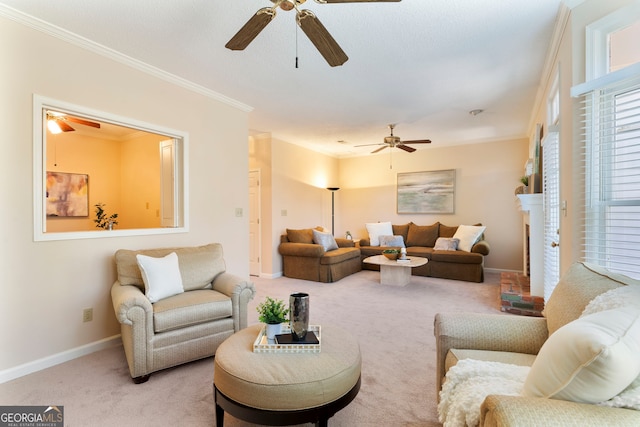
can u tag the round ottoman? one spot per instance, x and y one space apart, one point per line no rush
285 388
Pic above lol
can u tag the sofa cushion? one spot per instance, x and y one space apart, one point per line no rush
339 255
325 239
377 229
199 265
456 257
401 230
589 360
421 251
422 235
446 244
581 283
300 236
468 236
161 276
446 231
190 308
392 241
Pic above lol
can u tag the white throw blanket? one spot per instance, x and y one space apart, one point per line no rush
469 382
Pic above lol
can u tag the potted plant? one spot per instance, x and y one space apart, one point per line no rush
274 313
391 254
102 220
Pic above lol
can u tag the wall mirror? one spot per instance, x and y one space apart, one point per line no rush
88 162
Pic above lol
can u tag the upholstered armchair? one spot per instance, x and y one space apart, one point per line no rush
560 384
177 323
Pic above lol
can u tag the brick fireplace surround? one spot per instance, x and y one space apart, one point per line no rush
515 295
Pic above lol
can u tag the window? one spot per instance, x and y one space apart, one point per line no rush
610 119
83 158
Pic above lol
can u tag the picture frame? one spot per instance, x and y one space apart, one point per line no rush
426 192
67 195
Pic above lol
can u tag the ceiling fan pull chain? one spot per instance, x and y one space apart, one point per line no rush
296 24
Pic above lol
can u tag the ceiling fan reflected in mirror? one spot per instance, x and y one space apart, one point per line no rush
394 141
307 20
58 122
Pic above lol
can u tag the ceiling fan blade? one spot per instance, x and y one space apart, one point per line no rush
320 37
251 29
418 141
406 148
64 127
356 1
379 149
82 122
366 145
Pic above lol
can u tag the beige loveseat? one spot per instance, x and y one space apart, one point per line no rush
184 327
519 340
302 258
446 264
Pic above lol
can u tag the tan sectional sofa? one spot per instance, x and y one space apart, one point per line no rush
521 340
446 264
304 259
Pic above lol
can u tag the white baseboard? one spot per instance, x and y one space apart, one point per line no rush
56 359
501 270
271 276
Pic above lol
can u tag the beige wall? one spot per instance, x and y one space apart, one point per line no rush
486 177
46 285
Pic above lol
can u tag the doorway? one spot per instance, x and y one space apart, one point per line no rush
255 266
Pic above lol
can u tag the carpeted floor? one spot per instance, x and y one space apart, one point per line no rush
393 325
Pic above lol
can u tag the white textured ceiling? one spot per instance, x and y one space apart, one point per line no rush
421 64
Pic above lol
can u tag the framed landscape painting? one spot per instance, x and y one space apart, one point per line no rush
67 194
426 192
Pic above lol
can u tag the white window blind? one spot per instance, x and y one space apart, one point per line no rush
551 207
610 118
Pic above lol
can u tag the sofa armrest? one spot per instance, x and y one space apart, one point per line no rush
482 247
130 303
345 243
365 241
536 411
301 249
481 331
240 291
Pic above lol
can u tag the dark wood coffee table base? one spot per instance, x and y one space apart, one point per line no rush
319 415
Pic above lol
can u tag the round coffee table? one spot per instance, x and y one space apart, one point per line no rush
285 388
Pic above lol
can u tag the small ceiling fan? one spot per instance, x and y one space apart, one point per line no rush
61 121
310 24
394 141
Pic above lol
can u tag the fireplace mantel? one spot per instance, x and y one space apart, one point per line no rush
531 207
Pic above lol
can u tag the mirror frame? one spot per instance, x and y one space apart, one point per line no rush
40 104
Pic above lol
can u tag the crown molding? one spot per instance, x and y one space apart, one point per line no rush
84 43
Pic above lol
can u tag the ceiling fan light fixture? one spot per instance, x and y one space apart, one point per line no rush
53 126
287 5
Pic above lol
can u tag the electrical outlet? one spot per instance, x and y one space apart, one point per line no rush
87 315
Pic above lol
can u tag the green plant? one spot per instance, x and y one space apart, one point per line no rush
391 251
272 311
525 180
102 220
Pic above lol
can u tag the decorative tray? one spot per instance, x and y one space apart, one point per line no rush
264 345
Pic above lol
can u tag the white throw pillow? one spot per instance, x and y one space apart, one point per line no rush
161 276
589 360
377 229
446 244
391 241
468 235
325 239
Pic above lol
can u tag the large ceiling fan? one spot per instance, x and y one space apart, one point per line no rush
394 141
310 24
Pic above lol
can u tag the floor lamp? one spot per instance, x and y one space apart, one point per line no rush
333 192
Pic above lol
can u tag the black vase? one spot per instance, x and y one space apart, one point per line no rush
299 315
